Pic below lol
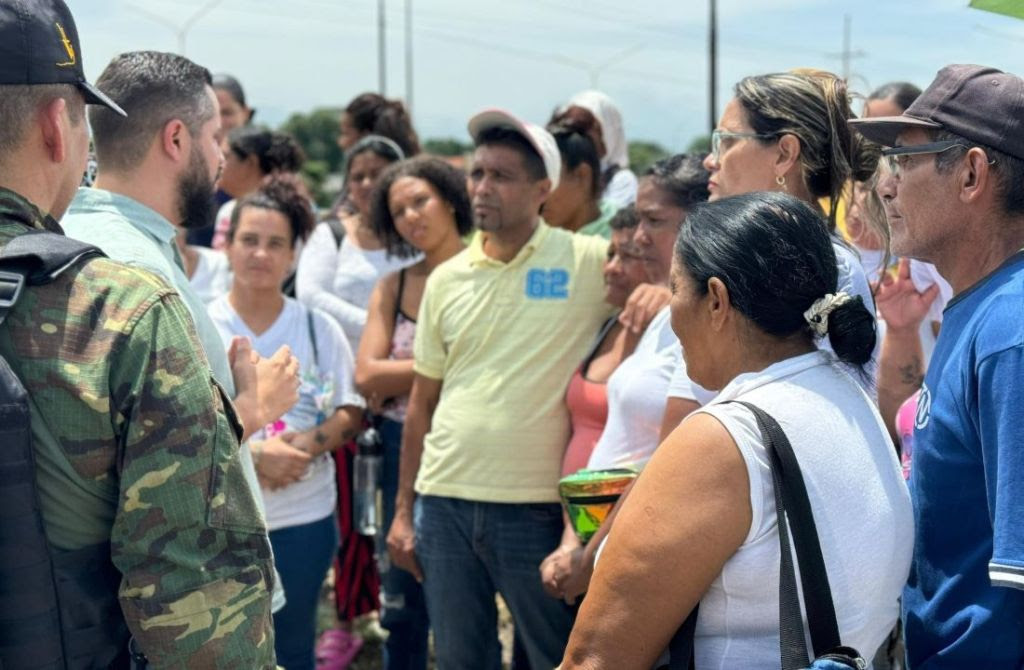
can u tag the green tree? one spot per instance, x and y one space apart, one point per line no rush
700 145
317 133
642 154
446 146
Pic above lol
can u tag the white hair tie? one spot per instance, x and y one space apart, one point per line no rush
817 315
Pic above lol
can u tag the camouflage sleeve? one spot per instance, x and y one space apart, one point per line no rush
188 536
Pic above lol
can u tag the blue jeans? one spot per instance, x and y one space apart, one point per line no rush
303 554
470 550
403 609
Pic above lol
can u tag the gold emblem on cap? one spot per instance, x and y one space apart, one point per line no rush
68 46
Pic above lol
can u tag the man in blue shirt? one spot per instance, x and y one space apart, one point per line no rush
954 196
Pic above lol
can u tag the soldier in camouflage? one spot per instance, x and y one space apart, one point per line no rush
135 443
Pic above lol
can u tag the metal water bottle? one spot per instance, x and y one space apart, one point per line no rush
366 482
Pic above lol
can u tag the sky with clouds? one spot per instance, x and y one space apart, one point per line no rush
528 55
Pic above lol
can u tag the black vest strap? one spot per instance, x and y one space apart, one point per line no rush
57 609
36 257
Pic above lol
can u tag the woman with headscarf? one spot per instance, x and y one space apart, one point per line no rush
599 113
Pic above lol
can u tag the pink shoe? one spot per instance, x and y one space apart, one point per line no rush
337 649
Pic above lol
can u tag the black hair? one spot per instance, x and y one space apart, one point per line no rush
275 151
448 181
903 93
577 148
683 177
513 139
774 254
376 145
154 88
231 86
279 193
373 114
624 219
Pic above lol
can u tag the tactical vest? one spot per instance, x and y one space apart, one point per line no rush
58 609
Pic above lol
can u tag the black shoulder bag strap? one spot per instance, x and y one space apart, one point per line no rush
312 338
33 581
338 230
793 511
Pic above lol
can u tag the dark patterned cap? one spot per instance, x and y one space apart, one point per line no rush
39 45
978 103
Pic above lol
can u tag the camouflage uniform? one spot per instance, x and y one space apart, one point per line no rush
137 445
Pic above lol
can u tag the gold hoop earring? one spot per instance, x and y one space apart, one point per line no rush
781 181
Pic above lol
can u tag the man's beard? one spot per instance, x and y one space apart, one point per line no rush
196 205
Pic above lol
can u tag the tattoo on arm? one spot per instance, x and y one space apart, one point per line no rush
911 373
320 437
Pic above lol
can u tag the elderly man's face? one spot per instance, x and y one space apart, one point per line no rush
919 203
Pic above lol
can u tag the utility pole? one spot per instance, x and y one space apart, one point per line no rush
848 53
408 56
713 66
382 63
846 47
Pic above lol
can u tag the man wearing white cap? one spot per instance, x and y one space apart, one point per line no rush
501 328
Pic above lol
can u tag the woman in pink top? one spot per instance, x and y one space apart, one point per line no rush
586 396
417 206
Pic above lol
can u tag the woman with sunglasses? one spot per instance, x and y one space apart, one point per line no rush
787 132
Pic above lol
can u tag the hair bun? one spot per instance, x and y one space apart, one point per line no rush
851 331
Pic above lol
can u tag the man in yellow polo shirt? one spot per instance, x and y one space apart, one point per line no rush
501 328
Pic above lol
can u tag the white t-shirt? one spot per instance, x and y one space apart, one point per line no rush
636 398
212 276
851 281
339 281
621 190
325 387
871 263
924 275
861 508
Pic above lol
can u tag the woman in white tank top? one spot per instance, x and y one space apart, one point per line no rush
753 280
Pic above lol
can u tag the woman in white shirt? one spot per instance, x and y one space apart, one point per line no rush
292 455
638 389
343 259
753 285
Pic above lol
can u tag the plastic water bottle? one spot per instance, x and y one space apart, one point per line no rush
366 482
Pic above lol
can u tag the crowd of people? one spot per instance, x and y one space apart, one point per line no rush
803 344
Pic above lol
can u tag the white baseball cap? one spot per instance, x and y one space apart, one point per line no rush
540 139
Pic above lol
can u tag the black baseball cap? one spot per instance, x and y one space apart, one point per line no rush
39 45
981 104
